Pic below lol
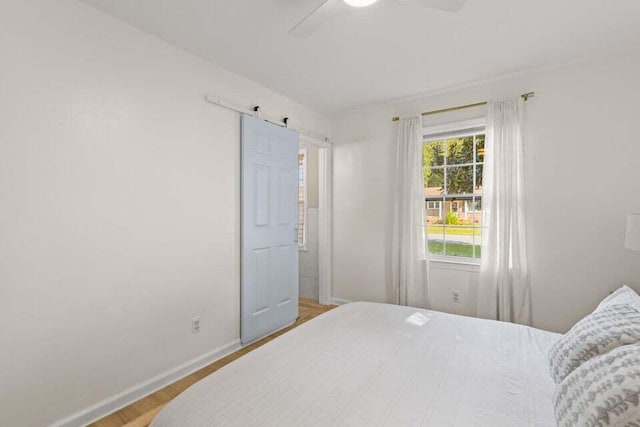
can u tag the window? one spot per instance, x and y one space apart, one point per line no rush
302 198
453 161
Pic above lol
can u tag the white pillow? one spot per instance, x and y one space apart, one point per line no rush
605 391
623 295
598 333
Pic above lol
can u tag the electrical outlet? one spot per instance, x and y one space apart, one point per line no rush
195 325
455 296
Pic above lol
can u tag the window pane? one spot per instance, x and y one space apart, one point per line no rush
478 253
480 148
433 182
477 223
433 153
459 240
434 213
479 172
460 150
435 236
461 233
456 249
459 180
475 211
458 213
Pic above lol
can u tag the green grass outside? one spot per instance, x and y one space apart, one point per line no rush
460 230
453 249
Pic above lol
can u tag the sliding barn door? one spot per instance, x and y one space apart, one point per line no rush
269 298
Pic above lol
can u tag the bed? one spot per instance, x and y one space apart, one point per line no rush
366 364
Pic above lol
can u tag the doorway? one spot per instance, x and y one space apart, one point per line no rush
314 220
308 222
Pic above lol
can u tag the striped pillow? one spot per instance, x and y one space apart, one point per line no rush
597 333
605 391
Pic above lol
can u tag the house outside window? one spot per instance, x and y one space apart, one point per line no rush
453 162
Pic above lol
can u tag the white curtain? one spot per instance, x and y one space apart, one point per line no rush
409 255
503 292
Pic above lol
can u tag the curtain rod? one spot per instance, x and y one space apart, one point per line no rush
524 96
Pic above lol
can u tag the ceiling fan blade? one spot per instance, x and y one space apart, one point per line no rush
452 6
310 23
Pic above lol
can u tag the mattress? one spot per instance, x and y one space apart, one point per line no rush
367 364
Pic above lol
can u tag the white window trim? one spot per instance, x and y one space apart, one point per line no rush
448 263
450 259
429 131
303 246
434 133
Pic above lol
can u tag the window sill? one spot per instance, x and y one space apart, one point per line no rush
464 264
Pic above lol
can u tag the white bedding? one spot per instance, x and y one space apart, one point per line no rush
366 364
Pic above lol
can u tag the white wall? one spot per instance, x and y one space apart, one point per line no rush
119 207
583 150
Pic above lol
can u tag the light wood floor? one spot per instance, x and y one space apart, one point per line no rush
142 412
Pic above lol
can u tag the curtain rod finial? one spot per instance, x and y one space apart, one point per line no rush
528 95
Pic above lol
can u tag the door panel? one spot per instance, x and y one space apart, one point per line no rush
261 191
284 212
261 271
269 288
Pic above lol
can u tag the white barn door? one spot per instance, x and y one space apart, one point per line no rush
269 290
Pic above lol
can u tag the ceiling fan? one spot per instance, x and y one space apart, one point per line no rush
329 8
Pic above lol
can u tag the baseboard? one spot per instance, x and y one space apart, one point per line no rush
137 392
338 301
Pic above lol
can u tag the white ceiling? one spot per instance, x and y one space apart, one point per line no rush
389 50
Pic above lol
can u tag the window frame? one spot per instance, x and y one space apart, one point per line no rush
458 129
302 246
